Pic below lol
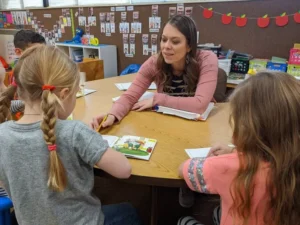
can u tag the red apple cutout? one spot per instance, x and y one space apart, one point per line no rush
263 21
207 13
282 20
297 17
226 19
241 21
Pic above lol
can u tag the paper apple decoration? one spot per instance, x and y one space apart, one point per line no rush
207 13
226 19
241 21
263 21
297 17
282 20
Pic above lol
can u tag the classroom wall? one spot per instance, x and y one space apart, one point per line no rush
260 42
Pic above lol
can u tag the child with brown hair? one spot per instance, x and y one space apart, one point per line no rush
47 161
259 180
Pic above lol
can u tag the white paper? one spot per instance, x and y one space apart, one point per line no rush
145 96
111 140
197 152
86 92
125 86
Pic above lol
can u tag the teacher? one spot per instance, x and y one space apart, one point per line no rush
186 78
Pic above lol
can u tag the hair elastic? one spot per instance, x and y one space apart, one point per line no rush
48 87
52 147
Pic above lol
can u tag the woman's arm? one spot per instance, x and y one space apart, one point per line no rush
205 89
138 87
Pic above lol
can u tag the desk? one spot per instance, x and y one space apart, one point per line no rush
173 134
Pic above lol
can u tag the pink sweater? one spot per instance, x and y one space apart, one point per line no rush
214 175
208 65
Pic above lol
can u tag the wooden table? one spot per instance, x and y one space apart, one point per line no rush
173 134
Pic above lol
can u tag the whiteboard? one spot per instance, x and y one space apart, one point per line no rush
7 48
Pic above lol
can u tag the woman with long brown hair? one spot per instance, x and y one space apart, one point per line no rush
259 181
186 78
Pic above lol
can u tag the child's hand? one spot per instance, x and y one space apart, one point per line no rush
97 121
142 105
220 149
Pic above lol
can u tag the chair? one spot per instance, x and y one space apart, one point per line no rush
220 92
5 206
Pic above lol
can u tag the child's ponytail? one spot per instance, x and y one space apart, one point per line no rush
57 175
5 101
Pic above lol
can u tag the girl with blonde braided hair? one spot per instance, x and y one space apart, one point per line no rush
46 161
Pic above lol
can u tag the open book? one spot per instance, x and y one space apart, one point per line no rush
132 146
185 114
125 86
84 92
197 152
146 95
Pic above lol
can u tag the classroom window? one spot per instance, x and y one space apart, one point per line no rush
57 3
33 3
97 2
11 4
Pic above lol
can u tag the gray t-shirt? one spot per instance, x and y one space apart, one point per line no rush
24 159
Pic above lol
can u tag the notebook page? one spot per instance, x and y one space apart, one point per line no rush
145 96
207 111
180 113
110 139
125 86
197 152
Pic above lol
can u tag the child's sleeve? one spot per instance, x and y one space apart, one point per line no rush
197 173
89 145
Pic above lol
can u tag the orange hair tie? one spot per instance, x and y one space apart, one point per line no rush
52 148
48 87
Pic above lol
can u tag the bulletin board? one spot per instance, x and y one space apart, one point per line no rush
261 42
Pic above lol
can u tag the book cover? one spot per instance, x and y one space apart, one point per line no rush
136 147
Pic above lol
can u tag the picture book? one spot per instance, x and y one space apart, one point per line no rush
125 86
146 95
132 146
197 152
84 92
185 114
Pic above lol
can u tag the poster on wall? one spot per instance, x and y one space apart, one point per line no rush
136 26
125 44
124 26
154 43
102 22
188 11
112 22
172 11
145 40
132 45
180 9
92 19
154 24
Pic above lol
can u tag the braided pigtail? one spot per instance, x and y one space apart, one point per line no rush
57 180
5 101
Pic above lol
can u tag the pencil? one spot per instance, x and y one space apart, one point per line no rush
104 119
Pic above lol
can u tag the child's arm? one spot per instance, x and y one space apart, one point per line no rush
94 151
115 163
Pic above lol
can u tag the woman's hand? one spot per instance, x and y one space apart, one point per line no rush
220 149
98 119
142 105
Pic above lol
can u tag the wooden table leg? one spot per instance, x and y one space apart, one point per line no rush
154 200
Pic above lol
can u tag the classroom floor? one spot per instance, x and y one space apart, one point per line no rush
112 191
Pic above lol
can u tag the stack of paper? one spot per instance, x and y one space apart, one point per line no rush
185 114
146 95
125 86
